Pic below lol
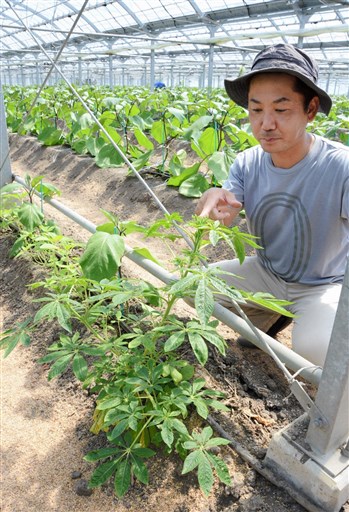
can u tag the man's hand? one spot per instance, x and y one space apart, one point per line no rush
218 204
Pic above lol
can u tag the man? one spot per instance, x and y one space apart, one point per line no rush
294 188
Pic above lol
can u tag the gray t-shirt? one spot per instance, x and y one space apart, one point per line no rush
301 214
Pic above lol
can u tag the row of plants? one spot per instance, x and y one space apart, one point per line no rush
121 339
146 125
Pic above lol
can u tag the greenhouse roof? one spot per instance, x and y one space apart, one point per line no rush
180 33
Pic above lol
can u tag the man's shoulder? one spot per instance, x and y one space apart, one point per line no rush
332 145
251 153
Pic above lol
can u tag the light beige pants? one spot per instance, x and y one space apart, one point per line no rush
314 306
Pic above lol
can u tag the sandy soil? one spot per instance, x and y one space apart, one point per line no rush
45 425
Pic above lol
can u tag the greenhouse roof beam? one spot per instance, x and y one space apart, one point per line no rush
88 21
234 13
18 3
132 14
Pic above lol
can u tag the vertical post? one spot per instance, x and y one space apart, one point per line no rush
171 75
202 78
332 398
152 67
5 166
79 71
210 60
329 75
111 76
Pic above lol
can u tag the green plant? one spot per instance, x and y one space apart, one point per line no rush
124 344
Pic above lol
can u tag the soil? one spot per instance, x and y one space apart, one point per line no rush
45 425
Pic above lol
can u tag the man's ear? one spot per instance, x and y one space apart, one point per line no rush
313 108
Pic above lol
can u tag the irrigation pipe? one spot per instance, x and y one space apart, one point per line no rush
289 358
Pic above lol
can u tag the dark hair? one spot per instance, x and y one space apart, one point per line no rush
307 92
298 86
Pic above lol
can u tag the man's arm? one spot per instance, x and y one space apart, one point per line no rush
218 204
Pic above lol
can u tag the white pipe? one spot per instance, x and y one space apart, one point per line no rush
291 360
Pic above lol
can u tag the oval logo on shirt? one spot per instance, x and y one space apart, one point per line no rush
282 225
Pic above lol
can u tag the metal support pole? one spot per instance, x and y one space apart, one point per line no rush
5 166
332 397
152 67
203 79
312 453
111 77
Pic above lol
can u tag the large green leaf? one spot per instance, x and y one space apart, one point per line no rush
186 173
219 165
178 113
193 132
94 144
102 256
108 156
158 132
50 136
194 186
208 141
143 140
30 216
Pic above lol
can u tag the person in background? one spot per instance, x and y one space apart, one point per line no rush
159 85
294 188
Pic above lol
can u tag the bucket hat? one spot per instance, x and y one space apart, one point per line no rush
281 58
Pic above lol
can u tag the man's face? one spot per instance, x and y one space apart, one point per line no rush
277 115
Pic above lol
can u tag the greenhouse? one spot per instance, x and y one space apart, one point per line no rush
179 43
174 226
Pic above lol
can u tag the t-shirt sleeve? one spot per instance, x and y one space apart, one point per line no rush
345 200
235 181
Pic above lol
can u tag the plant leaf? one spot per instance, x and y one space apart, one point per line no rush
80 367
220 467
122 478
174 341
30 216
191 462
102 473
205 474
199 347
102 256
204 302
140 471
59 366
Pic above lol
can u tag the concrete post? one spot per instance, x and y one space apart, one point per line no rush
312 453
326 434
5 166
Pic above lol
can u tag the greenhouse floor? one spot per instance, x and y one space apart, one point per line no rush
45 425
